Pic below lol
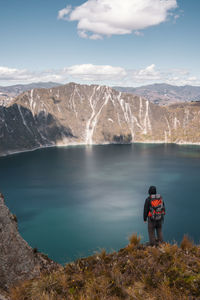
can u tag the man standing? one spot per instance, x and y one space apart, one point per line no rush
154 210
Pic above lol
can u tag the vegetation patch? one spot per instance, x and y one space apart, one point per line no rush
135 272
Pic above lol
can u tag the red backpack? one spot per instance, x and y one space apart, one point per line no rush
157 209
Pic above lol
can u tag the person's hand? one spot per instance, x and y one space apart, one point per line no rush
145 221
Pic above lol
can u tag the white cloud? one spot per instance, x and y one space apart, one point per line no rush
100 74
81 73
148 73
192 78
176 17
12 75
95 37
62 14
83 34
109 17
138 33
91 72
8 73
151 74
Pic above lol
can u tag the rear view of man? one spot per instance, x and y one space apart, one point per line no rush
154 210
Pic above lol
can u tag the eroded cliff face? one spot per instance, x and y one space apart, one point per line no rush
18 261
82 114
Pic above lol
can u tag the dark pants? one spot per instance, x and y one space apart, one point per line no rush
152 227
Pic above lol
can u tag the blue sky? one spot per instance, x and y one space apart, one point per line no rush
131 43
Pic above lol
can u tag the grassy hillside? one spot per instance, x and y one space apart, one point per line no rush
135 272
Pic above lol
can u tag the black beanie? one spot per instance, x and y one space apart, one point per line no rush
152 190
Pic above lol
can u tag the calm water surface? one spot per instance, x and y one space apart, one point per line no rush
73 201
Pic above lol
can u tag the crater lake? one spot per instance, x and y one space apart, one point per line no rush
71 202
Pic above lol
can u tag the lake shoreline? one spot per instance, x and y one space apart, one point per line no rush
96 144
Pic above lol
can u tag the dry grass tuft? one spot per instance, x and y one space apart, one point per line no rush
134 239
101 254
136 272
187 243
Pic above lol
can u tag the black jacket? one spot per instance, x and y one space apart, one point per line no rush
147 208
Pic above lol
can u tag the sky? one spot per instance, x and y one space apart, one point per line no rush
113 42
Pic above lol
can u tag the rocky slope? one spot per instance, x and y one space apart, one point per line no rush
82 114
18 261
165 94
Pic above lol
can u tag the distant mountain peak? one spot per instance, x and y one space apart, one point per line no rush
8 93
164 94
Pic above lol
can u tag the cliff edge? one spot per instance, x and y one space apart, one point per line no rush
18 261
166 272
137 272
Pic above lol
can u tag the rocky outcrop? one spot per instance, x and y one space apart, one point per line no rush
82 114
18 261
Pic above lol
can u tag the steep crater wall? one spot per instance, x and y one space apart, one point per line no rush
82 114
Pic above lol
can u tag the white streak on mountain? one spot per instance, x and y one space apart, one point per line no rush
82 114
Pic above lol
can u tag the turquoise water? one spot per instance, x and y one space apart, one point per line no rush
73 201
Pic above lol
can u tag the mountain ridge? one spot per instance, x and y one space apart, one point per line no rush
83 114
159 93
164 94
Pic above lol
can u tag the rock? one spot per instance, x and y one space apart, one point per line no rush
2 297
17 259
